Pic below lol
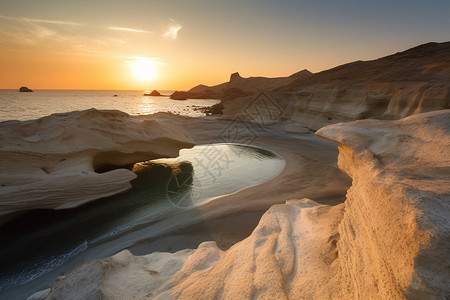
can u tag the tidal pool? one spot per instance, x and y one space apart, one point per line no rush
43 244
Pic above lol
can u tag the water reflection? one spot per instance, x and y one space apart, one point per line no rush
42 240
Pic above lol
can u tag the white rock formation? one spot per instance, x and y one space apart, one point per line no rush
122 276
395 234
52 162
389 240
285 257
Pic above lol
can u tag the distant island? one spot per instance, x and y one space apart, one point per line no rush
24 89
153 93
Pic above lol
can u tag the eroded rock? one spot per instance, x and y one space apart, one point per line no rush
389 240
65 160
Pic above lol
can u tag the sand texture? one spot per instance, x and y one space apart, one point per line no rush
65 160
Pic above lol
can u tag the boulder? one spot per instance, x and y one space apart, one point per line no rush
24 89
152 93
179 95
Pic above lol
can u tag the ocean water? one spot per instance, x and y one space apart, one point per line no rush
40 103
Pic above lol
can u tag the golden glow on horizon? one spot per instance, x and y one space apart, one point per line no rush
143 69
70 45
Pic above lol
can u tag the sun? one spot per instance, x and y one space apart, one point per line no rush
143 69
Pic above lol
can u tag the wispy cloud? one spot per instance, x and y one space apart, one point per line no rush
28 20
128 29
55 36
63 37
172 31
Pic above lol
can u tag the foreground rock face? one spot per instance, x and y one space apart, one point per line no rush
283 258
392 87
395 234
389 240
122 276
65 160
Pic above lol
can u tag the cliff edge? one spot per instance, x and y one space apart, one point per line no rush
392 87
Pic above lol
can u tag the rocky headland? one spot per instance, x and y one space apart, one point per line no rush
392 87
239 87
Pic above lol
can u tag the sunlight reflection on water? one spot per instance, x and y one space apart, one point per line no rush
27 106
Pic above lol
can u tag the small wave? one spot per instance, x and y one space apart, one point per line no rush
39 267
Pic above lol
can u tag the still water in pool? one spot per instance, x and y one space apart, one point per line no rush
42 241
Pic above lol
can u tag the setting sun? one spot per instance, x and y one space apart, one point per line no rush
143 69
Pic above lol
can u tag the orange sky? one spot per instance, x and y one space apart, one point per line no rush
53 44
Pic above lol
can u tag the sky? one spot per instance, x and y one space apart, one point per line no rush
177 44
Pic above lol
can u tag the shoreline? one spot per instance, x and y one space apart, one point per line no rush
303 248
303 155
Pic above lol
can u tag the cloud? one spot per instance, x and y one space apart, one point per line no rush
172 31
127 29
53 36
51 22
28 20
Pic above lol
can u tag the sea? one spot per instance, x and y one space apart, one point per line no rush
40 103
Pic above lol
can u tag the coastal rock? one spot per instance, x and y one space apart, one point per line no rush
239 86
392 87
389 240
263 266
24 89
395 234
65 160
177 95
215 109
122 276
235 76
152 93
